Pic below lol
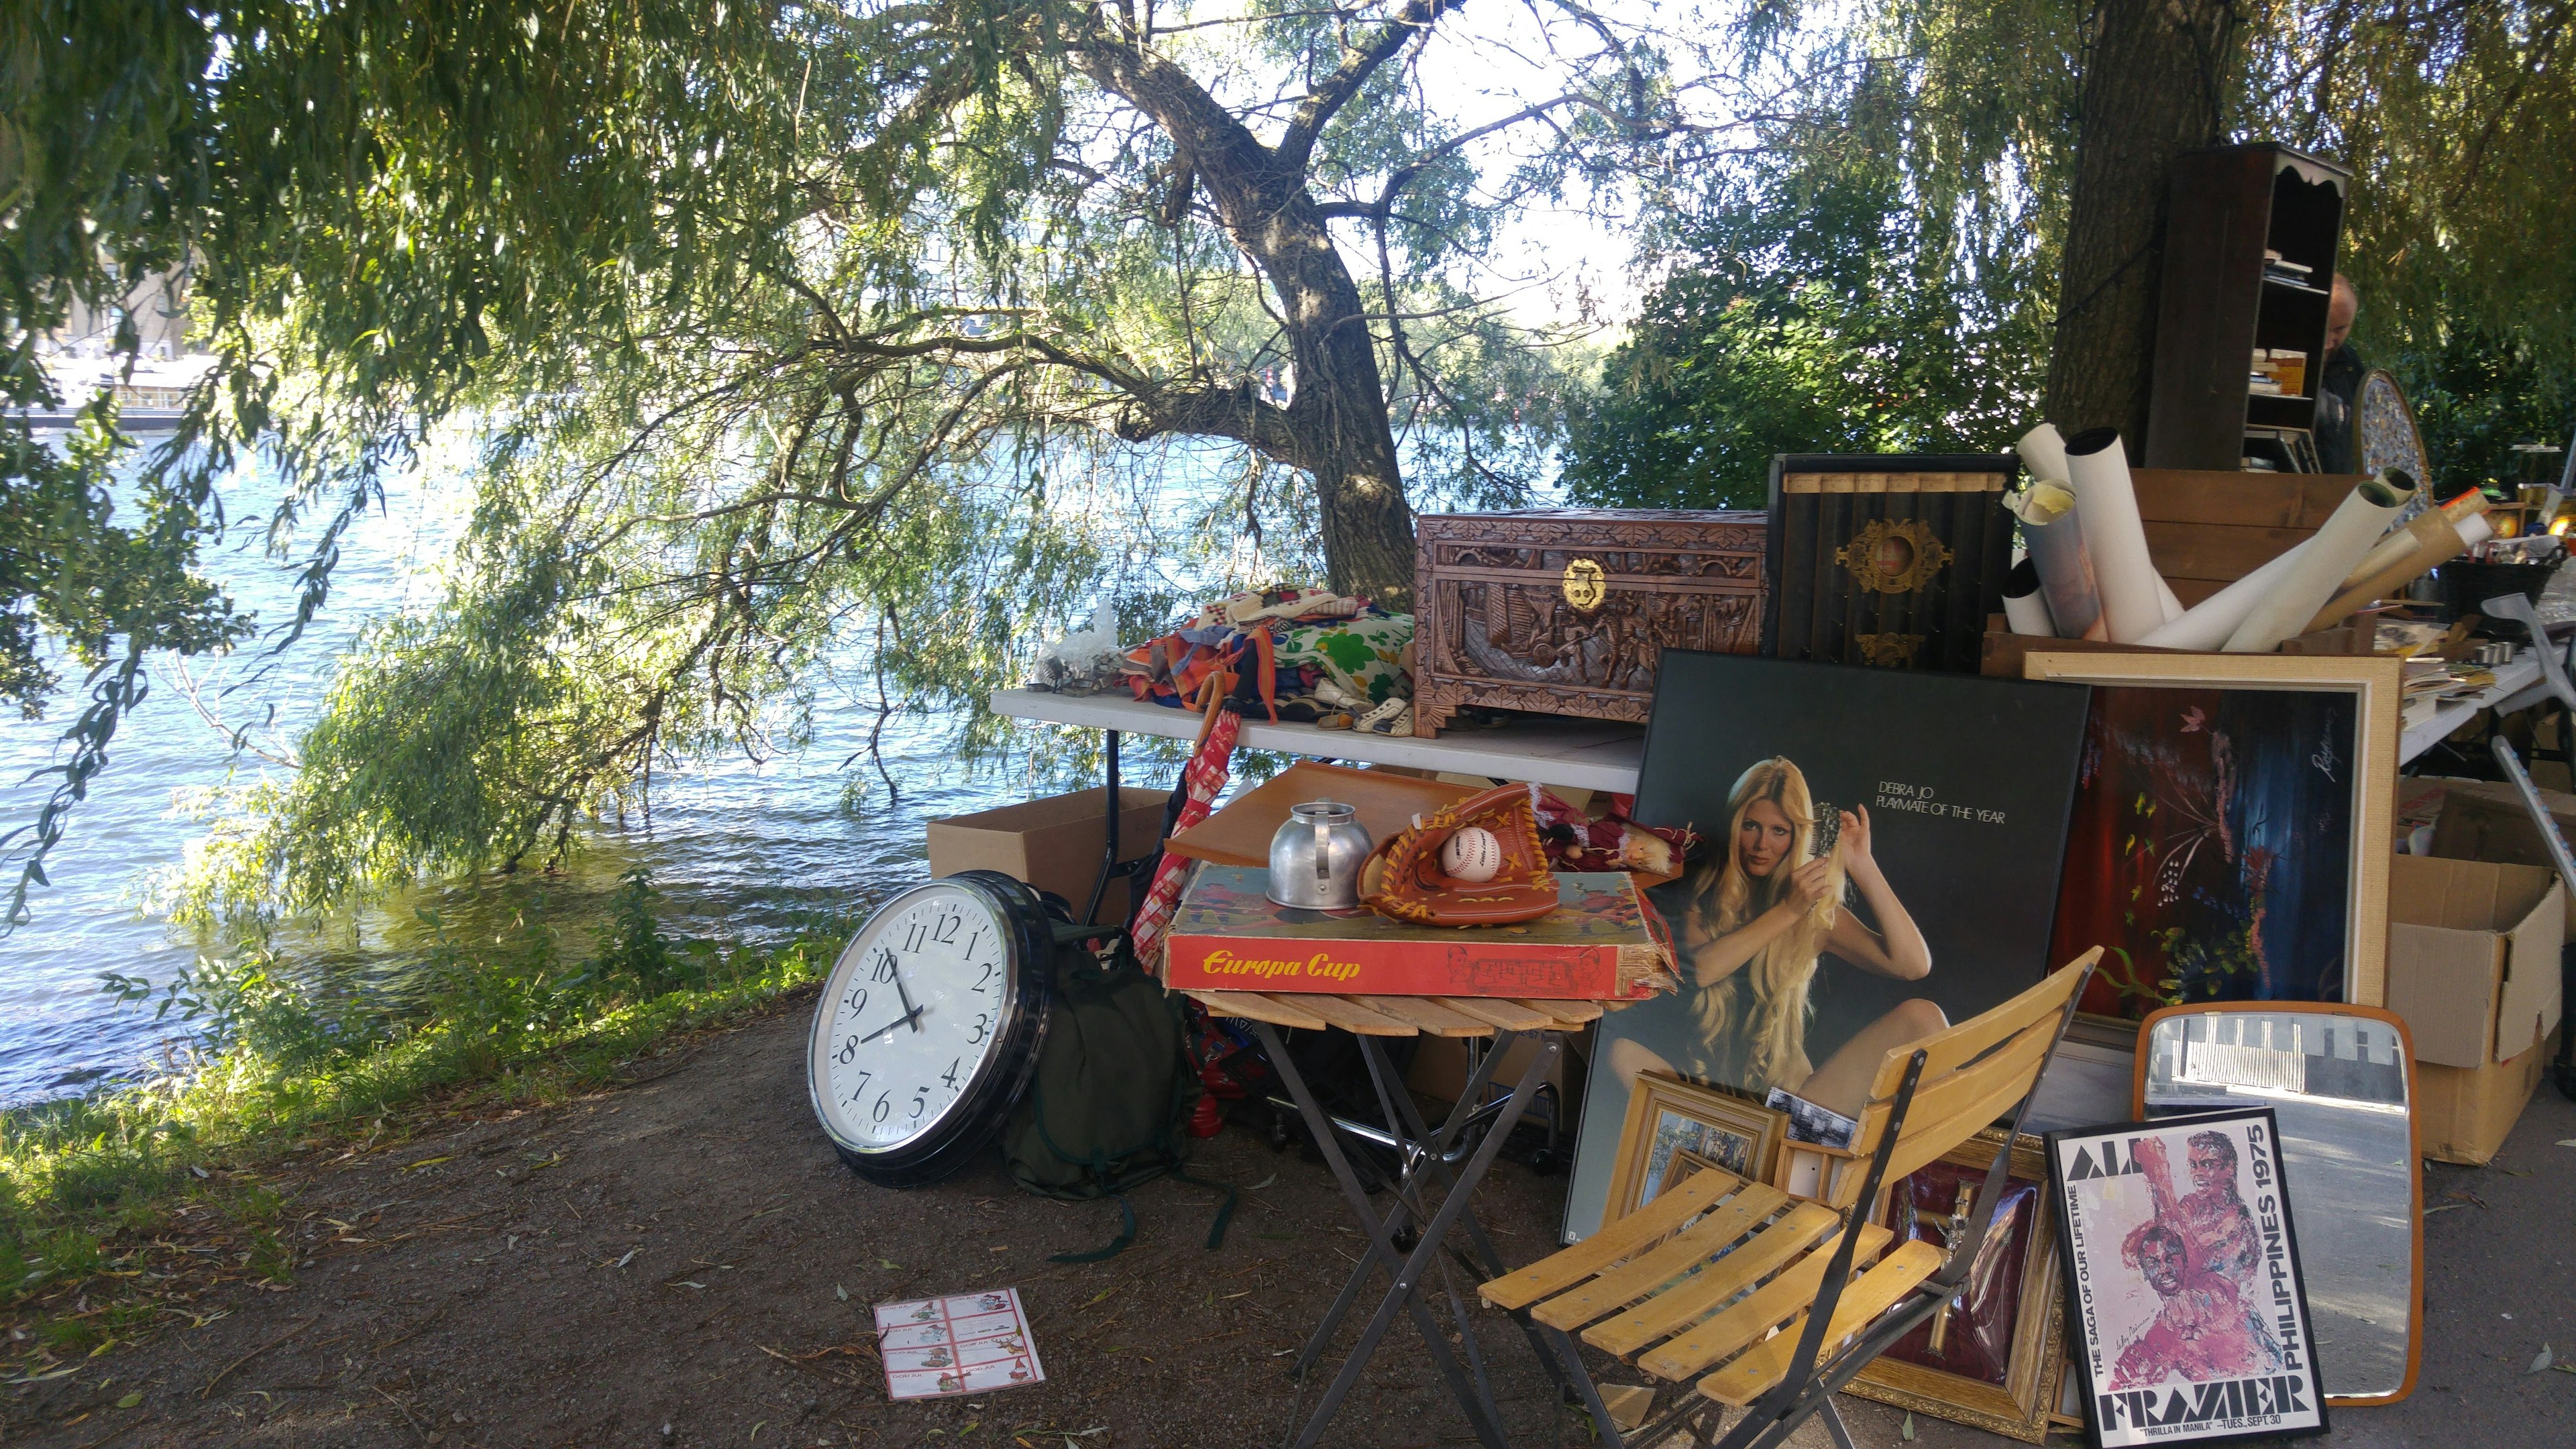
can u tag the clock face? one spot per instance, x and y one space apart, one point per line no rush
922 1025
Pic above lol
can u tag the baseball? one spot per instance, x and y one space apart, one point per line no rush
1472 854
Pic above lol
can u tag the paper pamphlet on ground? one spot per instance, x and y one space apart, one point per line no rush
972 1343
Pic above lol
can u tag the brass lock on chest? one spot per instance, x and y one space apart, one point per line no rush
1585 584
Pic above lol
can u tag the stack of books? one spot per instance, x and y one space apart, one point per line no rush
2297 274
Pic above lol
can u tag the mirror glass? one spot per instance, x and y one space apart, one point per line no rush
2337 1085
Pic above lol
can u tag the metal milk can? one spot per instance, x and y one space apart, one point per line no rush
1315 858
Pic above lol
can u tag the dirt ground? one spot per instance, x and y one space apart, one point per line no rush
682 1261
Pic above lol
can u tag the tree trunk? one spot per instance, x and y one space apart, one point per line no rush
2152 90
1341 435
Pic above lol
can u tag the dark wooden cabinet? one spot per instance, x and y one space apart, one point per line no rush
2220 301
1887 559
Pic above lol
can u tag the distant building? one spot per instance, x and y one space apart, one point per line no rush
82 359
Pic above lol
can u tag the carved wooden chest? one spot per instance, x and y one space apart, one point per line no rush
1568 611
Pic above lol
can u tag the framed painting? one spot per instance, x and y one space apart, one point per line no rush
2227 840
1994 1357
1675 1128
2190 1316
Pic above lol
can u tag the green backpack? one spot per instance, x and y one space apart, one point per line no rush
1109 1106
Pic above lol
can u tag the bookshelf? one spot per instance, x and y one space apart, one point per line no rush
2222 297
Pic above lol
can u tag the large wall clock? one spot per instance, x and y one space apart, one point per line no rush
930 1024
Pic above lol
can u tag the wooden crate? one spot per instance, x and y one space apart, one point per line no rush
2206 530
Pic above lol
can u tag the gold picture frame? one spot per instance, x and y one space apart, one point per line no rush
1676 1127
2019 1407
2377 684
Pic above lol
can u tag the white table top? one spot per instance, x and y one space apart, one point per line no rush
2423 733
1586 754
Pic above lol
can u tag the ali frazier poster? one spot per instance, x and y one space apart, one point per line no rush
2190 1318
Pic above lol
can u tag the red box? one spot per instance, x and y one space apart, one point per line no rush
1600 942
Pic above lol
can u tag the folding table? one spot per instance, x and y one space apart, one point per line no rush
1426 1191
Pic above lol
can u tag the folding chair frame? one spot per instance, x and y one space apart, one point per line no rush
1807 1389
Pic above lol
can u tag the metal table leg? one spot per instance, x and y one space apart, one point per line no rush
1406 1295
1111 867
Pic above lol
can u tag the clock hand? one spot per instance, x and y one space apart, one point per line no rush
912 1013
913 1016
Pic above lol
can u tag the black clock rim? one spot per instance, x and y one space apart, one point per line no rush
1004 1074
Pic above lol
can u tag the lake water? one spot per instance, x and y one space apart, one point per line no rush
740 849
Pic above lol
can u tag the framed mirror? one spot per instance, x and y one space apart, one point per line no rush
2340 1080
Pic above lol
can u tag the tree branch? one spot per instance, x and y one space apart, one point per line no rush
1326 100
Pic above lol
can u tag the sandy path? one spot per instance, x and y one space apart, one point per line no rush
675 1253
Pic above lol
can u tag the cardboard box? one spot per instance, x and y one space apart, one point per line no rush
2464 1114
2473 957
2486 820
1053 844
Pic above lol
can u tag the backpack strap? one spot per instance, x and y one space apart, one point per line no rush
1224 1215
1126 1238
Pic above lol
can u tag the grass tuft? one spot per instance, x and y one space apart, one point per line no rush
102 1197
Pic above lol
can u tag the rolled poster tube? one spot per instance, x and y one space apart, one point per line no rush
2436 539
2348 535
2056 539
2024 609
2207 624
2107 505
2043 452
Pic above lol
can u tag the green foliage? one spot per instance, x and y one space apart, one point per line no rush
1845 292
2477 393
1881 274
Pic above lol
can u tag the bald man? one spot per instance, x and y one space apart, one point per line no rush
2341 380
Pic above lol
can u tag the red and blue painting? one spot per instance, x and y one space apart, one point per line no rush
2211 847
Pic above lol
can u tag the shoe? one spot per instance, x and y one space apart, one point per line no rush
1395 717
1336 721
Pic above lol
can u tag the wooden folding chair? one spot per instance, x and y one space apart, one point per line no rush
1749 1295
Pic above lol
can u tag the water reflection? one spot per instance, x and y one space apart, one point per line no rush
741 850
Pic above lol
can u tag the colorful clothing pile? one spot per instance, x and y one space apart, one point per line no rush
1298 654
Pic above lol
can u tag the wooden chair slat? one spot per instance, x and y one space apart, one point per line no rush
1863 1300
1427 1014
1743 1321
1647 1225
1350 1016
1619 1286
1577 1012
1946 1051
1915 1150
1253 1006
1936 1099
1495 1011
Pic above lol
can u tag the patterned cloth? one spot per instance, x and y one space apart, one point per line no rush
1202 780
1364 655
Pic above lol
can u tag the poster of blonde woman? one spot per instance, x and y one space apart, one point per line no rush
1878 858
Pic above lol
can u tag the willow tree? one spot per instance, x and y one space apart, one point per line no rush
781 326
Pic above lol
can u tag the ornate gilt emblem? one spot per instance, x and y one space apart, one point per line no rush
1585 585
1893 650
1889 558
